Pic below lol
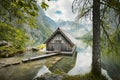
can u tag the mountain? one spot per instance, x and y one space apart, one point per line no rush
75 29
44 27
52 23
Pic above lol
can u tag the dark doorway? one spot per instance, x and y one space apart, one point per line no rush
57 46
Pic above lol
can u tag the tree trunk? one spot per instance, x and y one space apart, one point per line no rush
96 59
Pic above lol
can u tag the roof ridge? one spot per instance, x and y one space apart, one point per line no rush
69 35
65 34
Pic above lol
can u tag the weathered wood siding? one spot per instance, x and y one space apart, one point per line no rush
58 43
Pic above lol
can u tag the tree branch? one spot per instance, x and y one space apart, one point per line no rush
106 33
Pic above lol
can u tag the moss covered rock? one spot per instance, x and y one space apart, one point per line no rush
8 51
50 77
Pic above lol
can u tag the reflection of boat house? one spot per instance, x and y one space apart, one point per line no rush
60 42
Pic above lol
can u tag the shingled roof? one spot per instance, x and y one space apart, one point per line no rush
65 34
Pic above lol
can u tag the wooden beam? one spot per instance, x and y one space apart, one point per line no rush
39 57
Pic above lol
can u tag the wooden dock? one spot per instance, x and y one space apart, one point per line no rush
28 60
50 54
39 57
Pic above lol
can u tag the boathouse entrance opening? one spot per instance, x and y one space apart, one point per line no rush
57 46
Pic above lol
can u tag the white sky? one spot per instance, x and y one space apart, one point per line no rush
60 9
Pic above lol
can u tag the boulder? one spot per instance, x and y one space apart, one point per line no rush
35 49
48 76
3 43
42 71
45 74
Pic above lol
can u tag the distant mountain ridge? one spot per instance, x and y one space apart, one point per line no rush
76 29
46 26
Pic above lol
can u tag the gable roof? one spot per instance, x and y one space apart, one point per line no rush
69 38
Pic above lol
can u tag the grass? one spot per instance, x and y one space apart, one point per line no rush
64 65
64 76
88 76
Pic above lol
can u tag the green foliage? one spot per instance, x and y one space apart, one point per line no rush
8 51
19 9
114 4
57 71
42 46
44 5
113 46
11 34
15 37
13 14
110 21
87 38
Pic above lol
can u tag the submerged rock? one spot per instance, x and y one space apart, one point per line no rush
104 72
45 74
49 77
41 72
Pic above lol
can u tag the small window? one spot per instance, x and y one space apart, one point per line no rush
58 41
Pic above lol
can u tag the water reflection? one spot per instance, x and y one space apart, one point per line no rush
83 62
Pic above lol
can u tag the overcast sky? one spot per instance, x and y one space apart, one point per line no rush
60 10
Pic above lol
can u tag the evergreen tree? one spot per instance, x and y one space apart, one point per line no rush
107 15
96 60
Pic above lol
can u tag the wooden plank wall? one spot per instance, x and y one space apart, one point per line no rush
65 46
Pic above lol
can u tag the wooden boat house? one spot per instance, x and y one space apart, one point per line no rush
60 42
